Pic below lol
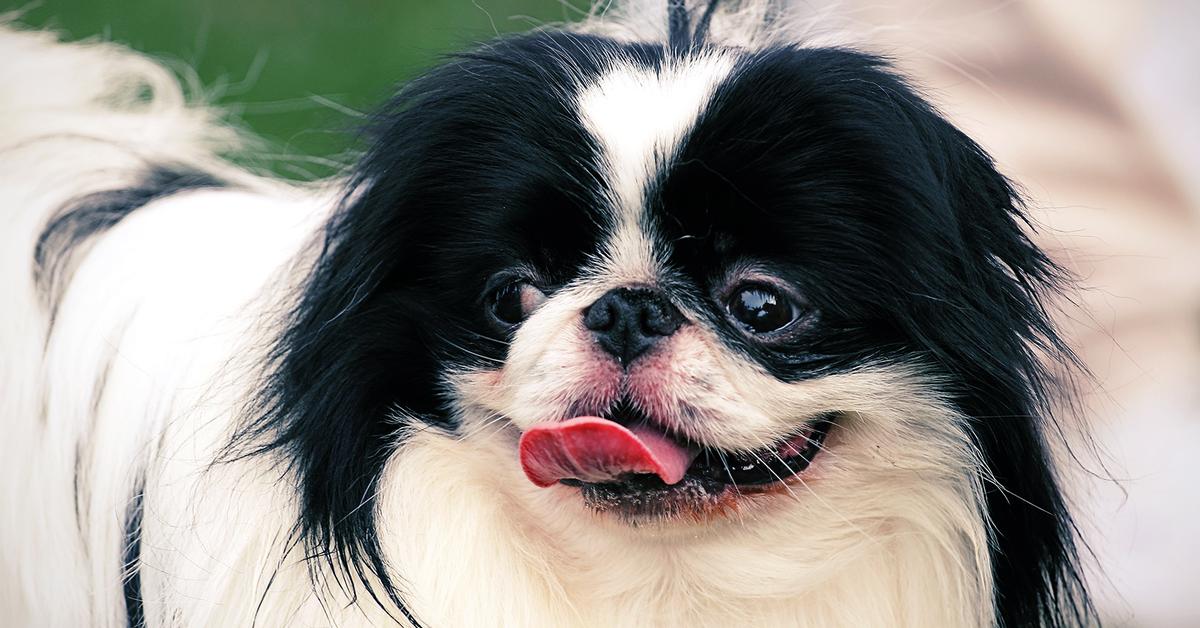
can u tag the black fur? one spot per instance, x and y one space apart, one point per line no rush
679 28
904 239
476 169
64 241
681 37
131 557
906 242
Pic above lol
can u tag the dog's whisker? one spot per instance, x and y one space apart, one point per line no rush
812 493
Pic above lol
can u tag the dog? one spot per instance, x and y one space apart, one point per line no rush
672 317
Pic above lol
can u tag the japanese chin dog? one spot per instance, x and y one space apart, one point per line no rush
673 317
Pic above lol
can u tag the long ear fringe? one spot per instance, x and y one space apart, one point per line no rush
109 94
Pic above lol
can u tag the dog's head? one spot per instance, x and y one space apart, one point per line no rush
678 283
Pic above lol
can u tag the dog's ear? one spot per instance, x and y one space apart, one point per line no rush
1007 354
348 352
990 325
350 369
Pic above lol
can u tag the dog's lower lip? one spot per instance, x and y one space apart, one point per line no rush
769 465
775 464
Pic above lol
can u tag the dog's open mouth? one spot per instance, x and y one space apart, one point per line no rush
623 463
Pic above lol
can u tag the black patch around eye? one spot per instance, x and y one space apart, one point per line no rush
796 166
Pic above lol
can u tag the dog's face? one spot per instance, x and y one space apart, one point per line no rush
706 245
673 285
717 250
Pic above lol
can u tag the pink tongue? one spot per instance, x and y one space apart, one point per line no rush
592 449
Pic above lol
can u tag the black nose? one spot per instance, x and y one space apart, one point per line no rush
629 321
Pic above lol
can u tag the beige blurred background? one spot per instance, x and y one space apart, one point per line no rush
1093 107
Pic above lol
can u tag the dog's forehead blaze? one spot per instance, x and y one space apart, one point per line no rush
639 117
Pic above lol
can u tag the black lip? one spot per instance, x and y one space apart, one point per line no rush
716 469
755 468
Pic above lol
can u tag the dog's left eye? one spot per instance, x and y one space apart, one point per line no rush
514 302
760 309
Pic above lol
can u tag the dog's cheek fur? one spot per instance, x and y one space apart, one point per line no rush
889 514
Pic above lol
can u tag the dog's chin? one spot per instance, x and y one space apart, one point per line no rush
717 484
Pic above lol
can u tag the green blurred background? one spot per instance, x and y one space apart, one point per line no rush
296 72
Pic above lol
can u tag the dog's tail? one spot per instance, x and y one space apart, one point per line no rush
100 92
87 118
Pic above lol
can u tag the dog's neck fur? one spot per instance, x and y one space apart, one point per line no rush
472 543
462 533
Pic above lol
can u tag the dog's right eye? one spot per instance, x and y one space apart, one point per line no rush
761 309
514 302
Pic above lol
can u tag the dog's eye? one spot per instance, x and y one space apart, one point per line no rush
512 303
760 309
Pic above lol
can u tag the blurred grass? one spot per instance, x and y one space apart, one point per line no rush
295 72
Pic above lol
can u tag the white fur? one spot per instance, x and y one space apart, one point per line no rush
159 341
134 373
639 117
884 531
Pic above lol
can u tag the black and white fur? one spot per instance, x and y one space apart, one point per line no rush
228 400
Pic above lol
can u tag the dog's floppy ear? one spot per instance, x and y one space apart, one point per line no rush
349 370
1006 282
348 352
988 323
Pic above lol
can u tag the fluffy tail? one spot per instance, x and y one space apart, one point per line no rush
100 92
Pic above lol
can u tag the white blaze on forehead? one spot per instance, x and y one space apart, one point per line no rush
640 116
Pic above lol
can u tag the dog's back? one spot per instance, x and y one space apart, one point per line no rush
128 252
